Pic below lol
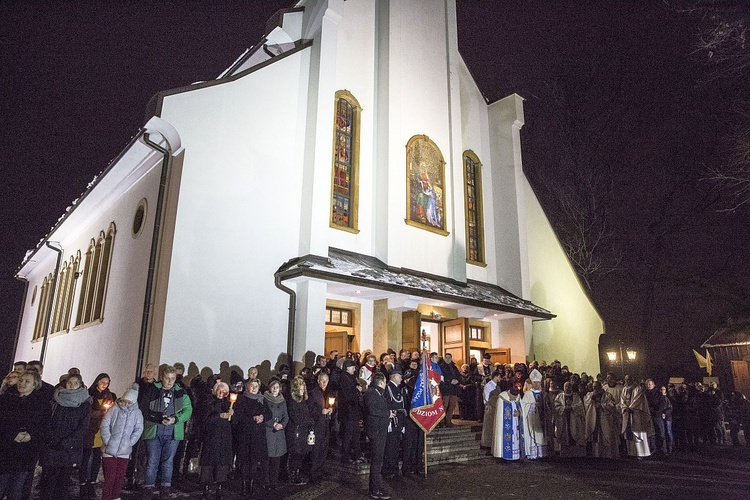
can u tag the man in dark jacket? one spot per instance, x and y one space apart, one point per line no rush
350 413
376 426
397 398
449 387
321 411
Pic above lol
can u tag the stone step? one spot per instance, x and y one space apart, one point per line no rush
457 448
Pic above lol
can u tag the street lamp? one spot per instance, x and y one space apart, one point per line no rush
612 356
619 356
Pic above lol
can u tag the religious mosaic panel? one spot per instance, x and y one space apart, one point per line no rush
345 144
425 185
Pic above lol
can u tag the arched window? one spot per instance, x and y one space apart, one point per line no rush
41 315
96 277
473 202
106 245
59 310
345 175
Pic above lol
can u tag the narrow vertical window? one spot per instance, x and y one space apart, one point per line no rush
103 275
345 176
41 315
88 271
473 201
60 292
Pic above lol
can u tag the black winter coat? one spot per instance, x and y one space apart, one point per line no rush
251 436
64 435
319 401
217 434
29 413
349 397
97 412
377 411
300 423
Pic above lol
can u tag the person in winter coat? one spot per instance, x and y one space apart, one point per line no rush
102 399
321 410
299 431
9 382
216 455
23 415
350 413
71 409
120 429
249 427
275 439
166 407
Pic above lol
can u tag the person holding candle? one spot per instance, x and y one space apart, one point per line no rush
216 455
23 415
91 461
275 439
249 428
322 400
121 428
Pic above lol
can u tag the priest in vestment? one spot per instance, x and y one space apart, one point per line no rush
490 394
637 425
534 413
507 442
601 423
570 423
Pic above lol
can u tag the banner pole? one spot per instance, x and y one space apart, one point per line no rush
425 455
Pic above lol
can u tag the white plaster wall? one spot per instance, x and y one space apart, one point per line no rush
355 72
572 337
417 96
112 345
502 115
238 217
476 137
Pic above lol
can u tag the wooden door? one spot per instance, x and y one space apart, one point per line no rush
410 333
741 376
499 355
337 341
455 340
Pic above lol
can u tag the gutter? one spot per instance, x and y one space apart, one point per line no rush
155 240
47 320
292 317
20 318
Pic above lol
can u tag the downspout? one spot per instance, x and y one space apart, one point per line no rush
20 317
292 318
155 240
51 299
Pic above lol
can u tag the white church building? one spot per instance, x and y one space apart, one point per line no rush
343 185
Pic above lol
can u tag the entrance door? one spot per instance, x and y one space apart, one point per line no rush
741 376
410 331
499 355
455 341
337 341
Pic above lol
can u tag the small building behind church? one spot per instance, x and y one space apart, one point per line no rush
342 185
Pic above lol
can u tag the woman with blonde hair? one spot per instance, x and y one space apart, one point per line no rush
299 434
10 381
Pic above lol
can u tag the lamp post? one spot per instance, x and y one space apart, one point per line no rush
621 360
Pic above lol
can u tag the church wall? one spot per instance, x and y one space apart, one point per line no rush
355 72
572 337
416 87
238 216
508 258
90 348
476 137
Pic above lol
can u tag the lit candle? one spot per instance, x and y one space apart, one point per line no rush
232 399
331 401
107 405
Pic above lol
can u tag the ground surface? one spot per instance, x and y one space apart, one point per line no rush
720 473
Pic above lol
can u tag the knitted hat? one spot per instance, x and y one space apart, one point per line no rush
132 394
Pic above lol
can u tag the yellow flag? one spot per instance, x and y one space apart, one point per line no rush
702 362
709 363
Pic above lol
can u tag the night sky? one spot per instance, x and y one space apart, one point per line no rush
617 87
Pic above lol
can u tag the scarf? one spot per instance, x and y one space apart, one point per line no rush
273 399
257 396
71 398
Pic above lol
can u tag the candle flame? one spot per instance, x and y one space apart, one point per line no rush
233 397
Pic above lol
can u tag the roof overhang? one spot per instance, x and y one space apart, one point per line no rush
364 276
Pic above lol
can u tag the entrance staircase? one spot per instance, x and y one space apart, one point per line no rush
459 443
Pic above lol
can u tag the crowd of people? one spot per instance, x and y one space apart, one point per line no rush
165 428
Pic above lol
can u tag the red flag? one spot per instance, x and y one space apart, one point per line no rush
426 403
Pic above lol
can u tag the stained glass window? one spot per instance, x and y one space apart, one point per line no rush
474 224
345 154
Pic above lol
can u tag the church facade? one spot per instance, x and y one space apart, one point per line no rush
343 185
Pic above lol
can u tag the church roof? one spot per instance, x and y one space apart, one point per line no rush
733 334
363 270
